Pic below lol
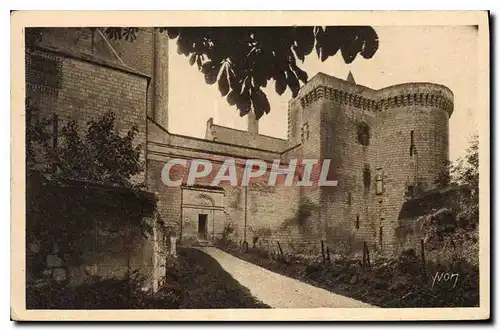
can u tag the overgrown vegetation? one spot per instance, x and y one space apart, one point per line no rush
80 193
258 234
392 283
452 232
227 232
111 293
96 153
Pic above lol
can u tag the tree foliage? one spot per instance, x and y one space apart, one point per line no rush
98 153
243 60
453 230
466 170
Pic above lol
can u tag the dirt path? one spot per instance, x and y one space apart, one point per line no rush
279 291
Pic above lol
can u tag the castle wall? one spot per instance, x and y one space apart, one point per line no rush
345 217
147 55
402 169
311 134
83 90
350 214
74 77
294 118
79 74
261 208
354 211
243 138
258 206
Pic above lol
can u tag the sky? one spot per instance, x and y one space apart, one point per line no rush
446 55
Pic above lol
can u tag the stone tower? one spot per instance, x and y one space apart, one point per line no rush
67 49
384 145
79 74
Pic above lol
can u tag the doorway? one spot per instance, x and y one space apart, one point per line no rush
202 226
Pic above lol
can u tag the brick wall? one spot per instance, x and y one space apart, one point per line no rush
87 90
147 55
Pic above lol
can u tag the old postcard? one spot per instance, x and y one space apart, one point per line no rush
250 166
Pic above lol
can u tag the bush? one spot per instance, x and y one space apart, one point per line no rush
227 231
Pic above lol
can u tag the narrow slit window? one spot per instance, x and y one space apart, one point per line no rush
381 234
304 134
411 190
367 177
363 134
379 181
357 221
412 142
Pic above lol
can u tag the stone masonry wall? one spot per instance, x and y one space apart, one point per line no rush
88 90
429 124
147 55
352 212
263 207
79 74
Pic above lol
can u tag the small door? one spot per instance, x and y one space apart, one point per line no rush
202 226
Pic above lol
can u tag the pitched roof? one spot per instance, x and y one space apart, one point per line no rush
245 138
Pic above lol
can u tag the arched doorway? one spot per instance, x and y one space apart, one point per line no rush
202 214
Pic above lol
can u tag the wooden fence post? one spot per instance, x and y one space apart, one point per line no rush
364 254
323 251
368 258
55 139
328 255
281 251
55 131
422 255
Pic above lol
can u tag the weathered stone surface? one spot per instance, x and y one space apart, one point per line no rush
407 127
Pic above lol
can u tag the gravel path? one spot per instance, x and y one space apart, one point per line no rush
280 291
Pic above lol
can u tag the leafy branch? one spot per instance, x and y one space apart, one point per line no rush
243 60
98 153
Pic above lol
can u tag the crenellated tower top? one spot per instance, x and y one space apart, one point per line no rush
349 93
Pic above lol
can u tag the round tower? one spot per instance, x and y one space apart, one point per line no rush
412 146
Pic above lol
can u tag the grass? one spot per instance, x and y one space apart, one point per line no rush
390 283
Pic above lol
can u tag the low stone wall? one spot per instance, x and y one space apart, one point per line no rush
79 232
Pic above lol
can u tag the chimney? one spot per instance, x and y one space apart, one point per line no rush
160 78
253 123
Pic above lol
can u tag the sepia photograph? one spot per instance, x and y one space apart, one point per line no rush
209 166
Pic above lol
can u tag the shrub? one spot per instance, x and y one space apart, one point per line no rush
227 231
